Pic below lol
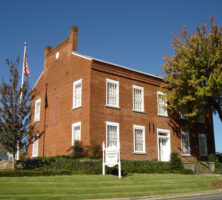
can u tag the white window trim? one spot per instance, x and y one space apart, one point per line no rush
142 89
201 135
144 144
73 126
108 123
185 154
37 119
74 94
159 114
33 145
117 88
168 136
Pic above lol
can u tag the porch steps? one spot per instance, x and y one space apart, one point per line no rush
202 168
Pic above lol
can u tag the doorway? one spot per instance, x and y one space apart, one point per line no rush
163 141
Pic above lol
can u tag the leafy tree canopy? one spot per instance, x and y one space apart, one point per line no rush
14 111
193 79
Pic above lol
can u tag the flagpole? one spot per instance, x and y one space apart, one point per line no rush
22 82
23 69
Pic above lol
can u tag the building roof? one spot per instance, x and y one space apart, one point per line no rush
120 66
102 61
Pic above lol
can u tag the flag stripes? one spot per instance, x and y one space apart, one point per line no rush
26 68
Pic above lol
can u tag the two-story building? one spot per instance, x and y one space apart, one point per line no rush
79 98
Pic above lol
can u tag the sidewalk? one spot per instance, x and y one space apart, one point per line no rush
172 196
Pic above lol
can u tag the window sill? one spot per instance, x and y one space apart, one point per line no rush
140 153
159 115
138 111
76 108
186 155
37 121
115 107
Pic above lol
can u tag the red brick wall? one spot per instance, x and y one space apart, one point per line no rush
59 76
55 125
126 118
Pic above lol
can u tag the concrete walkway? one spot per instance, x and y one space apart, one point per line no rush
192 195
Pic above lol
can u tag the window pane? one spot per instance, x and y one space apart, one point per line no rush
139 142
111 136
37 110
77 97
202 145
35 145
185 143
138 99
112 94
77 133
162 105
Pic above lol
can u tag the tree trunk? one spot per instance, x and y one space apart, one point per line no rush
13 162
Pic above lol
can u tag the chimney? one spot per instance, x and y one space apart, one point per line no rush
73 38
47 50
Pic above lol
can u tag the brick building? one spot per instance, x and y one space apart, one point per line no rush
80 98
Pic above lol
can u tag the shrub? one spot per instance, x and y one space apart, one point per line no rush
19 173
175 161
218 167
77 166
77 150
94 150
212 157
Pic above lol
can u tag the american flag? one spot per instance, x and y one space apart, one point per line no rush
26 68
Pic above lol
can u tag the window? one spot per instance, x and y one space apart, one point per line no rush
112 93
76 132
185 143
139 139
183 110
202 144
77 94
37 110
162 104
35 145
112 134
201 119
138 98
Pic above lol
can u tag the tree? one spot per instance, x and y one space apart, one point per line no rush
14 112
193 79
2 149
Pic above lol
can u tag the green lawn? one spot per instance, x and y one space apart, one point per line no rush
98 186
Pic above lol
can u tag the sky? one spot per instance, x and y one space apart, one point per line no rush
133 33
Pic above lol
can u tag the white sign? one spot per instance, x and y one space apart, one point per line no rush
111 157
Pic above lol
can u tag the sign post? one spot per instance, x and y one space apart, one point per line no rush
111 157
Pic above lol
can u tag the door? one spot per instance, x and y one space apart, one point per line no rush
164 154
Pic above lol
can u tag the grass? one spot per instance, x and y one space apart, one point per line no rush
98 186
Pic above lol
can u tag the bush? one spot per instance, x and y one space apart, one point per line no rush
218 167
77 166
175 161
94 150
19 173
77 150
212 157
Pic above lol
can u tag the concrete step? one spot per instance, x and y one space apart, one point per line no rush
202 168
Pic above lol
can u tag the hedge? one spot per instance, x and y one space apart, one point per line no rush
68 165
19 173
